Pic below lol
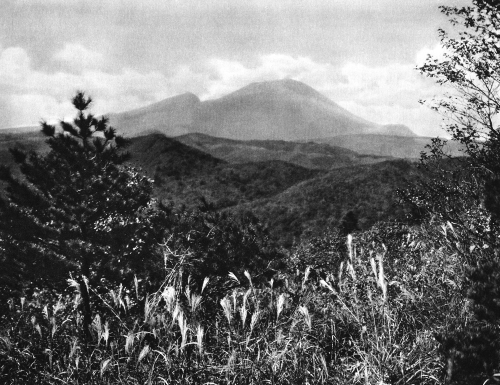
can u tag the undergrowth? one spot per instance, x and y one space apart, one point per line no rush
372 320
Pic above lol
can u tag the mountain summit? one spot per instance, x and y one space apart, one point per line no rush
279 110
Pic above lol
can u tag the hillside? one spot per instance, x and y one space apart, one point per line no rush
156 153
27 140
318 204
404 147
293 201
295 189
172 116
184 175
310 154
276 110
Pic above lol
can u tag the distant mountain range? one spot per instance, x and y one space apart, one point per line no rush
297 189
237 125
305 154
294 201
388 145
278 149
275 110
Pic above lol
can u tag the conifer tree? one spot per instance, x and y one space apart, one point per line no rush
75 210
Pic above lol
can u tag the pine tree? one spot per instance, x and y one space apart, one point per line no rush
75 210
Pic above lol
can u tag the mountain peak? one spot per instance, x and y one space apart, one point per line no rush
280 87
283 109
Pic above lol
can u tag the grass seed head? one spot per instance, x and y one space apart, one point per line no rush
195 302
247 274
254 320
234 278
279 305
144 352
129 342
169 295
226 306
205 283
307 317
199 338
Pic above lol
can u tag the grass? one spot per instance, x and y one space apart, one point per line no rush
369 322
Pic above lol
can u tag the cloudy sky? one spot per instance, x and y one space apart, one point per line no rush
129 53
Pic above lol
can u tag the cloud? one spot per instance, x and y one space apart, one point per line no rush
225 76
436 52
77 57
384 94
352 5
14 65
389 95
32 95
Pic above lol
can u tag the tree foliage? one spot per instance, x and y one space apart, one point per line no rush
465 192
75 210
211 244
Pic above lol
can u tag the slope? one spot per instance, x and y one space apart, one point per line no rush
317 205
172 116
184 175
387 145
310 155
294 201
278 110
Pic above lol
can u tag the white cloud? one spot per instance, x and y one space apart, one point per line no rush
395 83
436 52
384 95
76 56
389 95
32 95
225 76
352 5
381 94
14 66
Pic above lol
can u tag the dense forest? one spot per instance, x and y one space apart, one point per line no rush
179 267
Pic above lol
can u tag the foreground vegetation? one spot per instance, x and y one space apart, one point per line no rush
370 320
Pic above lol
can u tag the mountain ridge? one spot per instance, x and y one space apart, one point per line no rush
311 155
274 110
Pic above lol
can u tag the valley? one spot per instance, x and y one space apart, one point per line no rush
279 150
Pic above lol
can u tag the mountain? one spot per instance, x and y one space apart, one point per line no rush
172 116
27 140
316 205
184 175
408 147
19 130
274 110
156 152
309 154
292 200
396 129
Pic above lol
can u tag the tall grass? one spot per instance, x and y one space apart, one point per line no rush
367 323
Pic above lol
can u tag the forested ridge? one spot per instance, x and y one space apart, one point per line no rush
178 267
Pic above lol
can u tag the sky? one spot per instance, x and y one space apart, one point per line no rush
129 53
